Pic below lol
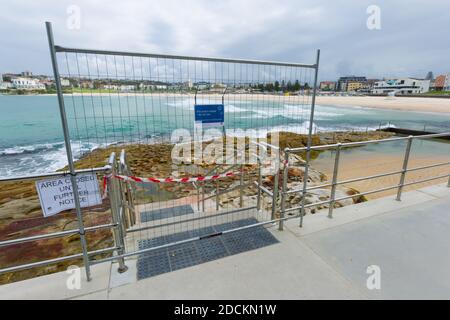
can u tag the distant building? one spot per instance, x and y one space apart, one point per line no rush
127 87
188 84
429 76
113 87
3 84
65 82
27 74
355 86
48 83
327 85
27 84
402 86
442 83
86 84
343 81
202 85
161 86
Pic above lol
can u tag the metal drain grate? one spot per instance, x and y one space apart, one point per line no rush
201 251
166 213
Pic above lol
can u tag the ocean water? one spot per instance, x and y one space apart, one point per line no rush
31 138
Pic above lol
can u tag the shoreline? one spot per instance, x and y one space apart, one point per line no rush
415 104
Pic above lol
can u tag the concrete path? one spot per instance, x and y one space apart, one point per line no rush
408 241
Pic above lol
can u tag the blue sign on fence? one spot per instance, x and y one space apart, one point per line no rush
209 115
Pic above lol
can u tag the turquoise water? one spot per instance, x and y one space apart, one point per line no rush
31 138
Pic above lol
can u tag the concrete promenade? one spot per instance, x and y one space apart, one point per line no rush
326 259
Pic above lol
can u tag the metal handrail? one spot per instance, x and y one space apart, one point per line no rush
105 170
359 143
54 174
335 182
54 234
56 260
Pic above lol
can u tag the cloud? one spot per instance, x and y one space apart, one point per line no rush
410 43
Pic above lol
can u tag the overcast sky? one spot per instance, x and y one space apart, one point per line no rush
413 39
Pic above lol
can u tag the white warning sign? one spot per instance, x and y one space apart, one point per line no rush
56 194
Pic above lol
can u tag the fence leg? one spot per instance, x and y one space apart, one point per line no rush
309 143
405 167
65 127
116 216
334 181
448 183
283 188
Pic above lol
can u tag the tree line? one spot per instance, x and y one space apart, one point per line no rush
278 86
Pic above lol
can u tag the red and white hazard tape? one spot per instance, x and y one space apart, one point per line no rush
165 180
105 185
182 180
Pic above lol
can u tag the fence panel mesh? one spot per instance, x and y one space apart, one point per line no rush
139 103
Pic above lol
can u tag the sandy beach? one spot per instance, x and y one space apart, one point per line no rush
358 165
439 105
425 104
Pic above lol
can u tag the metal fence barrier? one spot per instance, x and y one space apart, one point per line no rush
131 98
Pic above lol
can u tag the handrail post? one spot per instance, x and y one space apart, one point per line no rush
115 213
241 189
275 188
258 203
283 187
203 196
404 168
334 181
198 196
217 195
65 127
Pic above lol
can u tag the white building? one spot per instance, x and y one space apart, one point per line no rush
401 86
126 88
27 84
144 86
65 82
4 85
111 87
188 84
447 82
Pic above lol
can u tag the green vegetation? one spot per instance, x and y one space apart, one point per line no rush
283 86
435 92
